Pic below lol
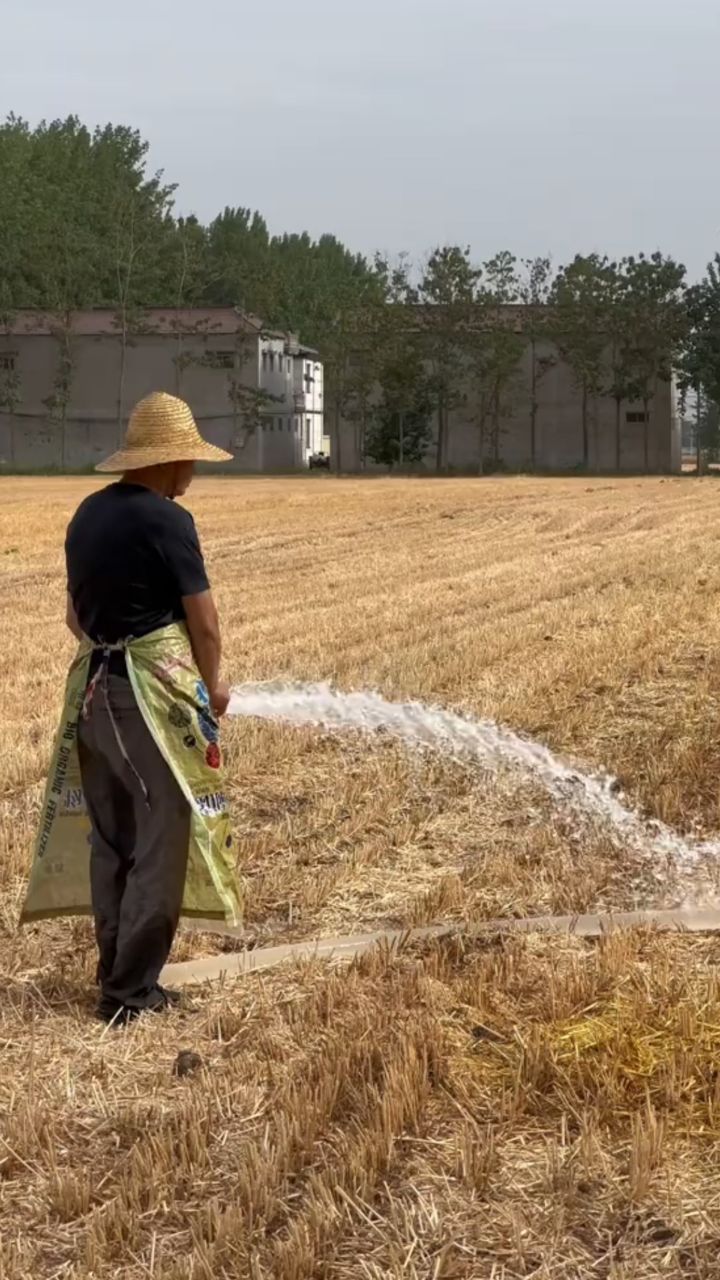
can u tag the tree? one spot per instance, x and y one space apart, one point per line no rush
356 302
578 300
240 270
659 316
703 336
447 296
399 432
383 322
65 247
9 377
534 293
699 363
18 212
81 222
497 346
186 272
708 432
141 233
618 327
84 223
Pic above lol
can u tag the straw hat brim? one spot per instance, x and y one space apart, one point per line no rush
132 459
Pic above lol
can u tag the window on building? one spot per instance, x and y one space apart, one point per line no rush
634 415
271 358
279 424
264 360
7 361
220 359
308 431
271 425
288 365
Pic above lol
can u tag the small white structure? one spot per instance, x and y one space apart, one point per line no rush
308 398
291 429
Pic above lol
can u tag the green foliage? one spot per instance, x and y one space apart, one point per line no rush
78 215
371 332
399 430
654 292
620 327
445 331
700 364
657 325
534 292
579 299
709 431
84 223
238 265
496 351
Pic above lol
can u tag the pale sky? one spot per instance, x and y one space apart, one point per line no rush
540 126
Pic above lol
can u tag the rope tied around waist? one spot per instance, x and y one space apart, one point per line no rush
101 678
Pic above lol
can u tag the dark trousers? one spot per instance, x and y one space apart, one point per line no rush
140 828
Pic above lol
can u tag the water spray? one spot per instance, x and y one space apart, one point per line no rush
591 798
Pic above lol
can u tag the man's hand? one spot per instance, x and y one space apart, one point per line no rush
220 698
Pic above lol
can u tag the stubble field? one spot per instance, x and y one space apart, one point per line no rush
510 1107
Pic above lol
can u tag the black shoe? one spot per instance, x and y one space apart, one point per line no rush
172 998
114 1011
126 1013
107 1008
119 1016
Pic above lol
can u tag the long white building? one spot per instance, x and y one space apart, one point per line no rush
257 394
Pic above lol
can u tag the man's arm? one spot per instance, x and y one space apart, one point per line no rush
71 618
185 562
204 627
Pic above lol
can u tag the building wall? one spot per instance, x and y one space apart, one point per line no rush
276 372
292 424
559 436
29 439
308 392
284 432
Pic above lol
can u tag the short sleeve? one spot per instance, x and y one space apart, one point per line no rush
183 555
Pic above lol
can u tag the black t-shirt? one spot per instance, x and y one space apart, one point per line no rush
131 556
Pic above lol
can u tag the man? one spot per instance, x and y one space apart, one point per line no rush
144 697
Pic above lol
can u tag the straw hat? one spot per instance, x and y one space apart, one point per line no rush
162 429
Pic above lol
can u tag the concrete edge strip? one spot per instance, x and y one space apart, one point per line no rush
240 963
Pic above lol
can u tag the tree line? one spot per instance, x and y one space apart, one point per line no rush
83 223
